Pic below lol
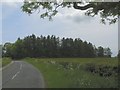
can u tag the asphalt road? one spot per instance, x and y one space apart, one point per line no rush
21 74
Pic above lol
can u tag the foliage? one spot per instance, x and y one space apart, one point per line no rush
103 70
100 51
50 46
119 54
5 61
72 73
1 51
108 10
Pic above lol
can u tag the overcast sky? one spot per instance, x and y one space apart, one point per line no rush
68 23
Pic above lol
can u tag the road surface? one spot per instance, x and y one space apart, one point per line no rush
21 74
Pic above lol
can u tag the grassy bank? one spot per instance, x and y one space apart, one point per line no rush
5 61
78 72
0 62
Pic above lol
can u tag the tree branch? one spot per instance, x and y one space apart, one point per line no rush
82 7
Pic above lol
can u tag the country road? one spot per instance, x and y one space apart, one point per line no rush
21 74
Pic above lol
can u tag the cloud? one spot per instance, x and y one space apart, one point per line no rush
74 15
11 3
119 33
79 18
0 23
69 14
0 11
8 9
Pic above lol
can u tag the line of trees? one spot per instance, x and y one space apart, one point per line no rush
52 46
118 54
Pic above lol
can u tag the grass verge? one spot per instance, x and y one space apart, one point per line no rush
5 61
72 73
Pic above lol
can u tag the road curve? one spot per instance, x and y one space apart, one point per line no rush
21 74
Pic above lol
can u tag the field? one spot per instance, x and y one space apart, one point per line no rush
5 61
78 72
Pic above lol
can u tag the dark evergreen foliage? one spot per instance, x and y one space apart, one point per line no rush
51 46
119 54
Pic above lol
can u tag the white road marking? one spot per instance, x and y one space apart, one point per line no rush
15 74
20 66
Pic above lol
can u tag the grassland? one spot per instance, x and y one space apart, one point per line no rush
0 62
78 72
5 61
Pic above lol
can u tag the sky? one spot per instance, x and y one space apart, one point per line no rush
69 23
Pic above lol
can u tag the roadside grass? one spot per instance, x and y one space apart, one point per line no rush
5 61
72 73
0 62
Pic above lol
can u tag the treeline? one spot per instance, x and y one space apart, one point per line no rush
118 54
52 46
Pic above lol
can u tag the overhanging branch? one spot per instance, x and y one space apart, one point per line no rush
75 5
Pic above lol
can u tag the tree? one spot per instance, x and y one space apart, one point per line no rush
119 54
100 51
7 49
17 50
52 46
107 10
1 51
107 52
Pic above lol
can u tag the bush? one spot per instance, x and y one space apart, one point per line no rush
103 71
